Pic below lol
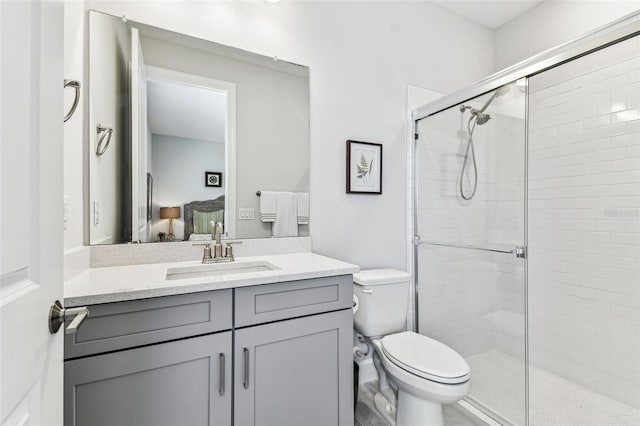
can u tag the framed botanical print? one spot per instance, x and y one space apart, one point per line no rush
364 167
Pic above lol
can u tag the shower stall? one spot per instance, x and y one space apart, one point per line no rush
527 233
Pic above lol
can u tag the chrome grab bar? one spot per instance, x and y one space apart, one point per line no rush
519 251
103 132
76 85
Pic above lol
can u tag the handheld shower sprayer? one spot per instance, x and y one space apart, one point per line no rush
478 118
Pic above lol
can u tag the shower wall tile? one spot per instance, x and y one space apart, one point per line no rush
584 221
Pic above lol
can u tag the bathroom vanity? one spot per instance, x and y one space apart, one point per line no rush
264 340
244 348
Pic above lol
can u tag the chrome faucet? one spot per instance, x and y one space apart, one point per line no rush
216 233
215 255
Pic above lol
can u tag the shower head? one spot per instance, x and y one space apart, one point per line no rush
479 114
481 117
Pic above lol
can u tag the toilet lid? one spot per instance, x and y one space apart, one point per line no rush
426 357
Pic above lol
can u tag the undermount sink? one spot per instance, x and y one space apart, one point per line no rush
218 269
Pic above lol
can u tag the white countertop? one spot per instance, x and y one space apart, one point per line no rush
121 283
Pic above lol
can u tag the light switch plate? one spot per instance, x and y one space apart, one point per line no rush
96 212
66 211
246 214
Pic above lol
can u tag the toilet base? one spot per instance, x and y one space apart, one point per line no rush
414 411
385 408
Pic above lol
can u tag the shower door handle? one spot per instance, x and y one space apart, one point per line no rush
519 251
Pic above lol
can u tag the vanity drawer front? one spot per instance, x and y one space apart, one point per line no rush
272 302
121 325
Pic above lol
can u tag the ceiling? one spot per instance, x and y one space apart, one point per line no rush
492 14
185 111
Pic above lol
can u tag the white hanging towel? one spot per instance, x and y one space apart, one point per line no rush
303 208
268 206
286 222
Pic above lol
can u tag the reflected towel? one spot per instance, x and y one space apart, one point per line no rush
286 222
303 208
268 206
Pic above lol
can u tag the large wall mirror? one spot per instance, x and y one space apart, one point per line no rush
184 131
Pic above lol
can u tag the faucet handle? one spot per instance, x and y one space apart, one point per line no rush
228 250
207 250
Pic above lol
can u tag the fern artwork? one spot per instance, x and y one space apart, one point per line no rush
364 167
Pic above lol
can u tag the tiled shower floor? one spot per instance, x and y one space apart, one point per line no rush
554 401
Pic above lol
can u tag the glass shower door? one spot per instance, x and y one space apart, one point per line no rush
470 228
584 233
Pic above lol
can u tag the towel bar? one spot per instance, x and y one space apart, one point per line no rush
76 86
103 132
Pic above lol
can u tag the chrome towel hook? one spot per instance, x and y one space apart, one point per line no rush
76 85
104 138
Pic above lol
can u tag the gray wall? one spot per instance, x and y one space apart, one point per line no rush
178 176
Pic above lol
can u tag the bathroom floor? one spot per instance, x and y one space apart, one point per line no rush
554 400
367 415
493 386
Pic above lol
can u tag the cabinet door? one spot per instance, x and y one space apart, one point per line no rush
295 372
175 383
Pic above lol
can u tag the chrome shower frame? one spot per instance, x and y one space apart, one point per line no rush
600 38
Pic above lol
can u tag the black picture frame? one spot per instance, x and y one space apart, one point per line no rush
213 179
364 167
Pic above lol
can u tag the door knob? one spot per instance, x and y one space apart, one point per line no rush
58 315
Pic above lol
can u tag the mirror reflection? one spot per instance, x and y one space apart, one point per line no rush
186 132
182 121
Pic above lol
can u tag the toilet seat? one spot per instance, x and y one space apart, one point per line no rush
425 357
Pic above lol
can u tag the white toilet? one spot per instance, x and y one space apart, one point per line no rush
427 373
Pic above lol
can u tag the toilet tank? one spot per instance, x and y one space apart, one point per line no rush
383 298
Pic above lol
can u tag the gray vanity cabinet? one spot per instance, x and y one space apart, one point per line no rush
185 382
168 360
295 372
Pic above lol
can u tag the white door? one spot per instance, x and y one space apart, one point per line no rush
139 142
31 210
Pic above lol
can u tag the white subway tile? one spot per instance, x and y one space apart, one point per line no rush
626 140
625 67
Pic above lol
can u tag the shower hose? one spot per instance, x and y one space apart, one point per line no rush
470 128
